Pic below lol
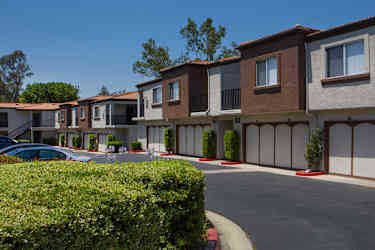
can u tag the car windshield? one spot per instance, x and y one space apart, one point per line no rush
71 153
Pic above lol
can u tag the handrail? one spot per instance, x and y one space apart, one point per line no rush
24 126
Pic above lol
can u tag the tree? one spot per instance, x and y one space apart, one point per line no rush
315 148
13 70
104 91
53 92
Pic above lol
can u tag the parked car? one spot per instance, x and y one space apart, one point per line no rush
6 141
47 154
22 145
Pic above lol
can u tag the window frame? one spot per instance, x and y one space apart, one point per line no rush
161 95
82 113
344 57
267 83
96 115
62 116
171 91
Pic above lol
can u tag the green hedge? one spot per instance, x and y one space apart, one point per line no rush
231 145
50 141
71 205
169 140
136 145
76 141
62 140
209 144
9 159
109 139
92 142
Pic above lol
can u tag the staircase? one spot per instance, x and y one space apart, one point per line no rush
20 130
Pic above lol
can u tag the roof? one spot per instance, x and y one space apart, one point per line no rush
226 60
126 96
69 103
193 62
345 28
148 82
30 106
94 98
277 35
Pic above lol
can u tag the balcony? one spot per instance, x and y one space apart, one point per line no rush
199 103
49 123
231 99
122 120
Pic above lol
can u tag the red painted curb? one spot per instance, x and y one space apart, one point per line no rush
207 159
303 173
136 151
230 163
166 154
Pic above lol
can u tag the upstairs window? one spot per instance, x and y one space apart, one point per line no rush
174 91
156 95
82 113
3 119
96 113
58 116
62 116
346 59
267 72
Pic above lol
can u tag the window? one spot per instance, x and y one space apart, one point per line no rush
58 116
3 119
156 95
267 72
82 113
62 116
174 91
346 59
28 155
96 113
49 155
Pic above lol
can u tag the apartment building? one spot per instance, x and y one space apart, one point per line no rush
100 116
281 87
34 122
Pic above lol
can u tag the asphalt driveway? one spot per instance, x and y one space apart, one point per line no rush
286 212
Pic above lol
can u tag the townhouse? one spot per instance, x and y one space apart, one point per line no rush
100 116
279 89
35 122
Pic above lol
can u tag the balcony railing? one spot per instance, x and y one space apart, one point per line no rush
3 123
199 103
43 123
231 99
122 120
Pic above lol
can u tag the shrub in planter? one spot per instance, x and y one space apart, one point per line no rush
62 140
92 143
209 144
115 144
9 159
314 149
109 139
231 145
76 141
50 141
169 140
136 145
23 141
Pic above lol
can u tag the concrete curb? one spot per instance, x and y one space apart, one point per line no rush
231 236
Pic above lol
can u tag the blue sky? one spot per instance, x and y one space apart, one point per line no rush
91 42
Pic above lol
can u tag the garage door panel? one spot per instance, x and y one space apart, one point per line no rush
300 139
340 149
364 150
283 146
182 140
162 145
252 144
190 140
267 145
102 143
198 133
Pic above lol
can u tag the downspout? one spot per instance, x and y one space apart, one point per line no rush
208 92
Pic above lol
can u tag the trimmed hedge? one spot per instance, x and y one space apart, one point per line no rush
76 141
136 145
169 139
23 141
9 159
115 144
62 140
92 143
50 141
109 139
72 205
209 144
231 145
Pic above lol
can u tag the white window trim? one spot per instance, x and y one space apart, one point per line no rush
277 72
161 96
340 40
96 116
174 98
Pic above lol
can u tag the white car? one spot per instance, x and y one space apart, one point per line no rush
47 154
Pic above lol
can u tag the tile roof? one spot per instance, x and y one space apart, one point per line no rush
148 82
225 61
29 106
127 96
94 98
193 62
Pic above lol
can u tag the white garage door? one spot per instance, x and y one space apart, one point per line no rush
280 145
70 140
352 149
156 139
190 139
102 147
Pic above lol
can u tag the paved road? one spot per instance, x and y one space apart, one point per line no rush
286 212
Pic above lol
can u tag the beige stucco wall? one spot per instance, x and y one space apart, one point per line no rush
340 95
16 118
151 113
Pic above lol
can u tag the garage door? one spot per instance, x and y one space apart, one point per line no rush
277 144
351 148
102 146
190 139
156 138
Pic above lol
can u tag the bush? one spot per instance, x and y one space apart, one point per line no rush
76 141
209 144
23 141
50 141
168 140
92 143
314 149
109 139
9 159
62 140
136 145
115 144
151 205
231 145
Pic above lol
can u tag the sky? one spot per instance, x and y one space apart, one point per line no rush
94 43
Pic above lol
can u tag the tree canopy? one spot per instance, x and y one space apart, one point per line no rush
204 43
104 91
53 92
13 70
